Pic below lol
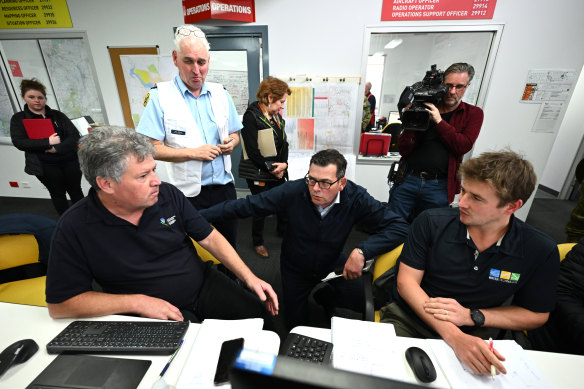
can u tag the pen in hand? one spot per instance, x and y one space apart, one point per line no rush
493 371
161 383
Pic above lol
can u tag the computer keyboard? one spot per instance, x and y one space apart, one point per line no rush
123 337
307 349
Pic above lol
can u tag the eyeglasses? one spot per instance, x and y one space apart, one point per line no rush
322 184
458 87
184 31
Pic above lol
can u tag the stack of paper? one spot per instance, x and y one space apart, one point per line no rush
199 368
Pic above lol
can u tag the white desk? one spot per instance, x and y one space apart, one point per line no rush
29 322
562 370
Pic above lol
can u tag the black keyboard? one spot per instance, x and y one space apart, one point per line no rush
123 337
307 349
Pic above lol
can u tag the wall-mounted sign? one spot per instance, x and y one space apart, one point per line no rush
437 9
238 10
34 14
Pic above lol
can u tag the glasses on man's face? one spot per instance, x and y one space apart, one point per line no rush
322 184
457 87
183 31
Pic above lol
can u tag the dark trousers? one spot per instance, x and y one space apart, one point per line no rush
215 194
337 293
257 225
62 179
221 298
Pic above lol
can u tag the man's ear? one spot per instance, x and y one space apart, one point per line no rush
342 183
105 184
513 206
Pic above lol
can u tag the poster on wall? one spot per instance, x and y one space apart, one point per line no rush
549 85
35 14
437 9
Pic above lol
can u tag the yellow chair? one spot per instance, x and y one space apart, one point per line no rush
387 261
21 250
382 264
204 254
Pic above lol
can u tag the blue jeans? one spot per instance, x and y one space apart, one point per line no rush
416 194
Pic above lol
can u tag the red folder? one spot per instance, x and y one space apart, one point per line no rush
38 128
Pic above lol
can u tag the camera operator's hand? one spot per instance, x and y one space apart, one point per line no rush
434 113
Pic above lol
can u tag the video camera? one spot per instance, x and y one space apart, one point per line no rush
431 90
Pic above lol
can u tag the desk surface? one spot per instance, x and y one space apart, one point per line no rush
562 370
24 322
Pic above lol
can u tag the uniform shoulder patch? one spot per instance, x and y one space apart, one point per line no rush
146 98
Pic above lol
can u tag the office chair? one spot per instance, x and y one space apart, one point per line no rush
204 254
22 276
383 263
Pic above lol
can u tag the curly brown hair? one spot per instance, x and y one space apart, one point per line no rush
34 84
272 86
512 176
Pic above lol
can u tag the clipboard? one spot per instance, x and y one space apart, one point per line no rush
266 144
38 128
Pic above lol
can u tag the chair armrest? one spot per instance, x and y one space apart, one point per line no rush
368 307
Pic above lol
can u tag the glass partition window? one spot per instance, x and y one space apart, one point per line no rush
406 56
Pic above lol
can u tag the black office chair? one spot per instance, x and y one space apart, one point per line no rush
394 129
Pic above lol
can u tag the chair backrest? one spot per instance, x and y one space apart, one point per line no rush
204 254
386 261
564 248
17 250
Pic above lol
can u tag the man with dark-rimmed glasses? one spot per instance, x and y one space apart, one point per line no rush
322 209
430 158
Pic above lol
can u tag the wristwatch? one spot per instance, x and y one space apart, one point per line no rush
477 317
360 251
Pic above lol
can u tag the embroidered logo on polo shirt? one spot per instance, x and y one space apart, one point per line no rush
504 276
168 222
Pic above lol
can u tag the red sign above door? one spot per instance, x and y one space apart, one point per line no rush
393 10
238 10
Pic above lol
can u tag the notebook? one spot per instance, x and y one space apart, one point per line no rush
38 128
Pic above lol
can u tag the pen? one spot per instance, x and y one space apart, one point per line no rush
493 371
171 359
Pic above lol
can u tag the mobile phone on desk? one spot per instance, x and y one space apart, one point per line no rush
227 355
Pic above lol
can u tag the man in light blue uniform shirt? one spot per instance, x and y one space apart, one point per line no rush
194 125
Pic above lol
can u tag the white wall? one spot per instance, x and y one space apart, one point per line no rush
326 38
567 144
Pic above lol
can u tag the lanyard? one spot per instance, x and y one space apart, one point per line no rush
276 120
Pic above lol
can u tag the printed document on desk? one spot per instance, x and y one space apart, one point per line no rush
374 349
199 368
521 371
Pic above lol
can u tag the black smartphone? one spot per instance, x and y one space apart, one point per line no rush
270 165
227 355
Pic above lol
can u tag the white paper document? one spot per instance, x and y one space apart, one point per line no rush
521 371
199 368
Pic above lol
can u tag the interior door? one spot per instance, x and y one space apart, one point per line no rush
236 63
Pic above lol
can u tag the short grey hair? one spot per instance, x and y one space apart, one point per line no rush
461 67
106 151
191 32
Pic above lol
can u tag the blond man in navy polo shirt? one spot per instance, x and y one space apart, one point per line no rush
460 266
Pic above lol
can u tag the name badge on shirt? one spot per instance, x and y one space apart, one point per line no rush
177 132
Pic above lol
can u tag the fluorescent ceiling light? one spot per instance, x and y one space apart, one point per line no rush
394 43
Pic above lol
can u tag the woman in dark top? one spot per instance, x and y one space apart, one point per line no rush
265 172
52 160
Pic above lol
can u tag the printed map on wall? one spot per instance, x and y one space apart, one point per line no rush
69 68
142 72
6 112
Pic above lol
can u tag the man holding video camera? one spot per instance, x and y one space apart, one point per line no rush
430 157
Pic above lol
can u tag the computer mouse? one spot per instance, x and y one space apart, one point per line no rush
17 352
421 364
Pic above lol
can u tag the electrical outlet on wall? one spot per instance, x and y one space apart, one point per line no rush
25 184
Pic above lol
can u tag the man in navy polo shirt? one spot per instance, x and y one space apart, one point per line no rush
459 266
131 234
